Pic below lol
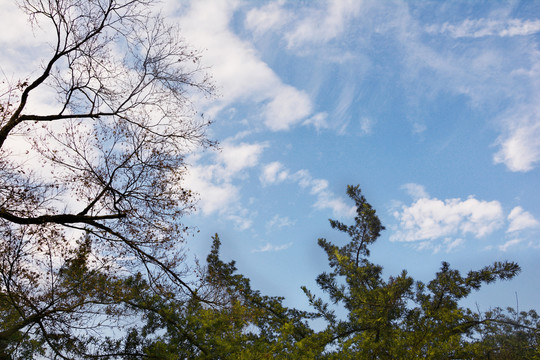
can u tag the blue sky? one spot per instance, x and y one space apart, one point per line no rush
433 108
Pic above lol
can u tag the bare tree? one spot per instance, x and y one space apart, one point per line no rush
108 163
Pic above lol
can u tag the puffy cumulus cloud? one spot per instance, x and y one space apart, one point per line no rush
520 145
239 157
238 70
431 219
272 248
215 195
441 224
521 220
275 173
476 28
288 107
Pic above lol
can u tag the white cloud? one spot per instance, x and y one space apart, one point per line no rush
418 127
275 173
23 46
214 182
431 218
318 121
237 69
324 24
416 191
508 244
520 220
439 224
267 17
346 99
318 186
278 222
447 245
272 248
214 194
288 107
452 244
488 73
483 73
239 157
520 145
326 199
366 126
241 218
476 28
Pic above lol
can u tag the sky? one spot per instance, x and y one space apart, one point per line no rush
432 108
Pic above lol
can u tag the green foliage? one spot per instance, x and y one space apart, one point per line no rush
394 318
398 317
239 324
509 335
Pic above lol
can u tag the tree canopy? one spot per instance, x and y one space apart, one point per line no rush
97 197
365 316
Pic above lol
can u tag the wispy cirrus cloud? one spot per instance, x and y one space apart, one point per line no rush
496 72
275 173
318 23
477 28
447 245
272 248
486 72
509 244
268 17
323 24
279 222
